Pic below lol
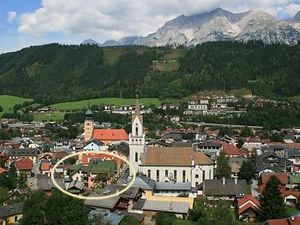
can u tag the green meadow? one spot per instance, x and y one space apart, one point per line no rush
8 102
84 104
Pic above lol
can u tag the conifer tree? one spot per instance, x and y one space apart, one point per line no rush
271 201
223 168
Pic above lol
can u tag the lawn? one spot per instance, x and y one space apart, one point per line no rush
168 66
291 211
8 102
84 104
184 222
51 116
112 54
295 99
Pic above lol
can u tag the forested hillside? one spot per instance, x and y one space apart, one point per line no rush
53 73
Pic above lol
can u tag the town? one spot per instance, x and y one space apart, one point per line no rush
182 171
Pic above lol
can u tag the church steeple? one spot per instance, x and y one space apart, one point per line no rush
137 120
137 136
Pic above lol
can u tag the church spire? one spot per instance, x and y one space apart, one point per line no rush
137 110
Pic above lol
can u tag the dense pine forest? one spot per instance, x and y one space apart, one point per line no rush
53 73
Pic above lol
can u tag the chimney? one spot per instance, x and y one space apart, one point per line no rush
223 180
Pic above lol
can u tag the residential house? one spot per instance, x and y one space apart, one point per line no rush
11 214
210 148
18 193
285 221
75 187
268 161
248 208
236 164
31 153
24 166
45 184
150 207
95 145
165 191
224 189
264 178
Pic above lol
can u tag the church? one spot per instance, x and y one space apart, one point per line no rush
106 136
166 164
162 164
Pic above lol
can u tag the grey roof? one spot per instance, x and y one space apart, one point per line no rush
182 144
144 182
217 188
166 206
261 162
11 210
139 204
178 186
131 193
110 217
209 144
89 113
23 152
44 182
75 184
108 203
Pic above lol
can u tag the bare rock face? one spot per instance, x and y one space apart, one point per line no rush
222 25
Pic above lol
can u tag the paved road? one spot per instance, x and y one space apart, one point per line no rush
222 125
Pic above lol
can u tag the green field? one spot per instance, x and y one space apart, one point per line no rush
51 116
84 104
184 222
8 102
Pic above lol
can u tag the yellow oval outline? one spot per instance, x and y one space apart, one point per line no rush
131 168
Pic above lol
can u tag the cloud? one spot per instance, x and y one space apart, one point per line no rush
11 16
104 19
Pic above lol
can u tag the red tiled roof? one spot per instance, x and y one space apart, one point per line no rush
285 193
110 134
174 156
45 166
24 164
87 157
2 170
247 206
59 155
282 177
230 149
248 202
287 221
248 198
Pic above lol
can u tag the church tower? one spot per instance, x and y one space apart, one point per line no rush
88 127
136 137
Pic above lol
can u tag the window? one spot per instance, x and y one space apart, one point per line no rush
136 156
166 173
203 175
183 176
157 175
196 184
136 130
175 175
149 173
196 176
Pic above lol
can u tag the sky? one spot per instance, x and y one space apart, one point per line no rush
24 23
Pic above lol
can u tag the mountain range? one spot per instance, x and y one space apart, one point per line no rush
218 25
